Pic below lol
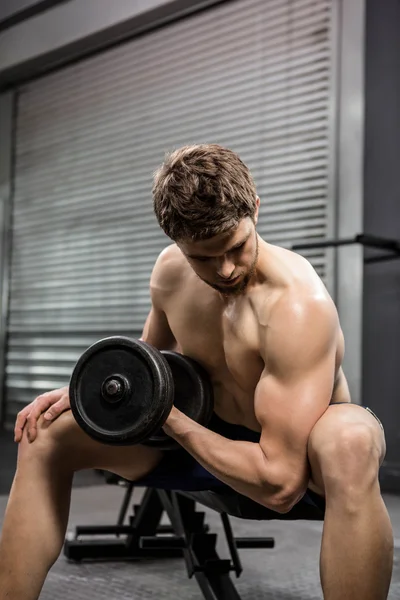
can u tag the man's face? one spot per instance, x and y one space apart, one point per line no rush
227 261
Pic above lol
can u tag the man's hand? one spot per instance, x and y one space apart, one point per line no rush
51 403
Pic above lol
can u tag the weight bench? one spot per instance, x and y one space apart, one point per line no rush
187 535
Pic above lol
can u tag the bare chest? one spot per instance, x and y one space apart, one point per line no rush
225 341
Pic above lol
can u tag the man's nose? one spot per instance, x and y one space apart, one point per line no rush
225 268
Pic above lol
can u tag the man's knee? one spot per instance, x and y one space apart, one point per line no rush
347 457
55 440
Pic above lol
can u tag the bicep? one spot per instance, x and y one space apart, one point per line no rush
287 410
296 386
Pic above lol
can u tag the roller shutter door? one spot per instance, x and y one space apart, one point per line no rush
252 75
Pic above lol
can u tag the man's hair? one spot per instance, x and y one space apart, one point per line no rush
201 191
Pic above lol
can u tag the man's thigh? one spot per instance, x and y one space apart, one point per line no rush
339 424
65 443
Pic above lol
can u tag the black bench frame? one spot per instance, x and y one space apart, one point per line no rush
187 536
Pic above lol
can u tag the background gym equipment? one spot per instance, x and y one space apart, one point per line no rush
186 536
390 246
122 391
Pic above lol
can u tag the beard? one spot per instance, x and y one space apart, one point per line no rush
239 288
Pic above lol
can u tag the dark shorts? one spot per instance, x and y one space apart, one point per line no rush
178 470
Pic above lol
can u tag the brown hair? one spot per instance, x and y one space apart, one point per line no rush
201 191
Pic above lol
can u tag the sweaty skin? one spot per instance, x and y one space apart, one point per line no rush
248 340
225 337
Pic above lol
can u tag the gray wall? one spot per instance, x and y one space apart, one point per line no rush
347 164
7 106
381 347
9 8
75 28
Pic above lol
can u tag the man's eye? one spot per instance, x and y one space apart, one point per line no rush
239 247
203 259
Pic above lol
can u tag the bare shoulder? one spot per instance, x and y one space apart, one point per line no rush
168 271
300 306
301 315
169 259
304 297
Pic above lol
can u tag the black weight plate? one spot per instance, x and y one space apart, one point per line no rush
193 395
144 406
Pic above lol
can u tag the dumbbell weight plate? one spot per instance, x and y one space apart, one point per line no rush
121 391
193 396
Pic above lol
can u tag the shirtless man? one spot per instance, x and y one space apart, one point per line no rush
259 319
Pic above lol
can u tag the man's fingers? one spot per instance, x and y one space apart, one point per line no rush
37 407
47 398
29 416
18 432
57 408
25 412
20 423
31 426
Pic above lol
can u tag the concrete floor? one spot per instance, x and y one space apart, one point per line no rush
287 572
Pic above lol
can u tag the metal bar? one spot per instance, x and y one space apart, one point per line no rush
324 244
211 573
364 239
113 550
205 587
165 529
173 508
148 515
250 542
103 530
232 545
144 524
374 241
223 587
162 542
381 258
173 512
125 504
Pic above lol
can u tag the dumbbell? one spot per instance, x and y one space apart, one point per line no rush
122 391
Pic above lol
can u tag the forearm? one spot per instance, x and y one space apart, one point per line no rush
241 465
